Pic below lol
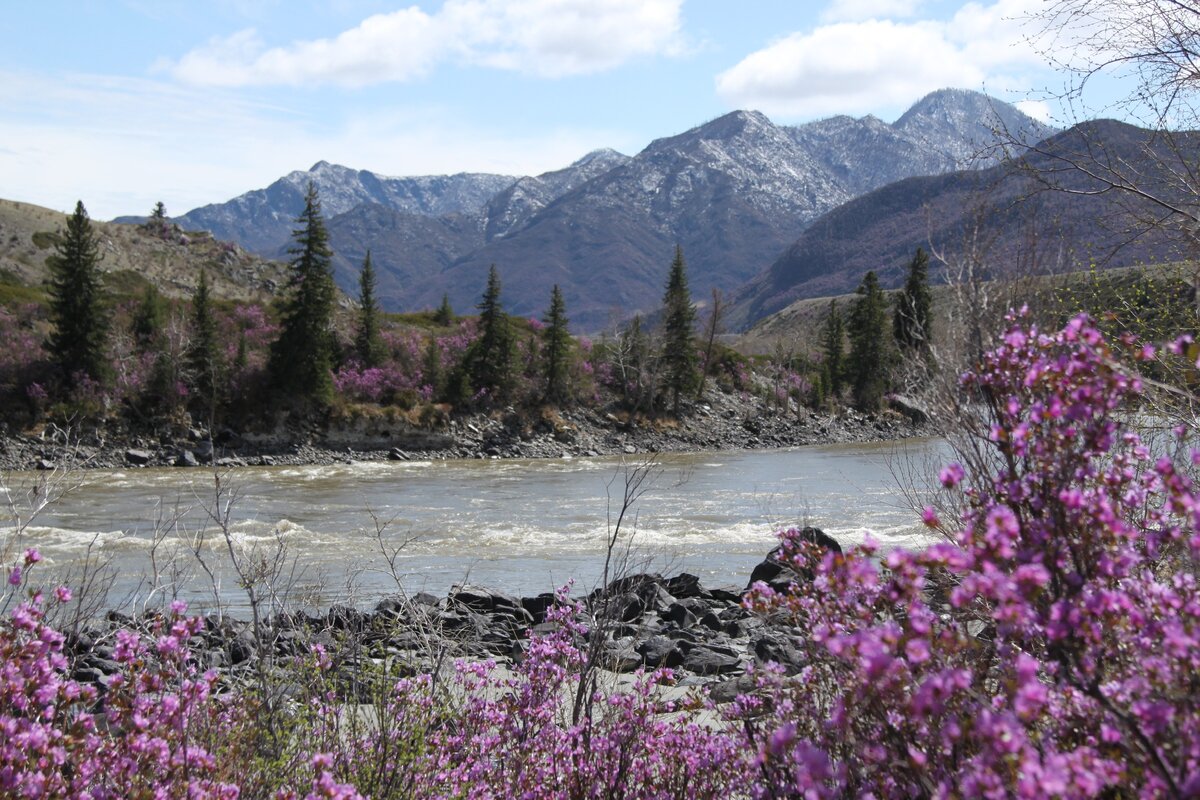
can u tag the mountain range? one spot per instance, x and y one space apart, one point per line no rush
1033 215
735 193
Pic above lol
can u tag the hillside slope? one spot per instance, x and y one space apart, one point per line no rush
1003 217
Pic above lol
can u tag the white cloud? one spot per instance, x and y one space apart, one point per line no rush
117 144
549 38
1038 109
855 10
856 67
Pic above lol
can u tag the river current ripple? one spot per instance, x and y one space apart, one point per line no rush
348 533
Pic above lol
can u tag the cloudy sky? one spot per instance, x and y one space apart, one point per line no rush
122 103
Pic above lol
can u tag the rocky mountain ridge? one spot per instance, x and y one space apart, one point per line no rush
734 192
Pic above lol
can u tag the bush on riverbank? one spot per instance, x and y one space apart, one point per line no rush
1048 647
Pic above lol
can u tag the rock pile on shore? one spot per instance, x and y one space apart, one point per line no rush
723 422
638 621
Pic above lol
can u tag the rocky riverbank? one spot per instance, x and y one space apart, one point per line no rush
705 635
722 422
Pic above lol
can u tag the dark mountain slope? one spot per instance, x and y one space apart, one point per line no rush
1005 216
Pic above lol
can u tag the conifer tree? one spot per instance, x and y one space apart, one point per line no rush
912 318
158 221
368 345
203 355
833 349
679 316
147 323
556 349
431 368
870 350
490 358
77 310
302 357
444 316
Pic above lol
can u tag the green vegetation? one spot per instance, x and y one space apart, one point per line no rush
870 349
149 317
203 355
556 349
912 319
679 351
489 362
368 346
833 349
302 357
248 364
45 240
77 309
14 292
444 316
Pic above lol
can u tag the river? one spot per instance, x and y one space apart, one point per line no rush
353 532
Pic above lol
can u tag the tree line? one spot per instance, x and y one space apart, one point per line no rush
492 359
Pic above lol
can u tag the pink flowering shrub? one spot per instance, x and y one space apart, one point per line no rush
1049 647
516 736
144 740
1051 650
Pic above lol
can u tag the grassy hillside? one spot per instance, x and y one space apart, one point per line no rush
1155 301
132 255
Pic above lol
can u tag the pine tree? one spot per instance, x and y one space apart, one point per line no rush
158 221
912 318
444 316
368 345
490 358
556 349
302 357
679 316
833 349
870 351
77 309
203 355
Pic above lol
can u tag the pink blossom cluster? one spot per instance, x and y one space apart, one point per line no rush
1048 648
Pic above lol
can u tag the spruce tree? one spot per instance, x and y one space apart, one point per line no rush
490 358
158 222
368 345
444 316
203 355
833 350
431 369
77 310
556 349
870 351
679 316
912 318
147 323
301 360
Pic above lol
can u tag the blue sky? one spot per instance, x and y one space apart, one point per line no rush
127 102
